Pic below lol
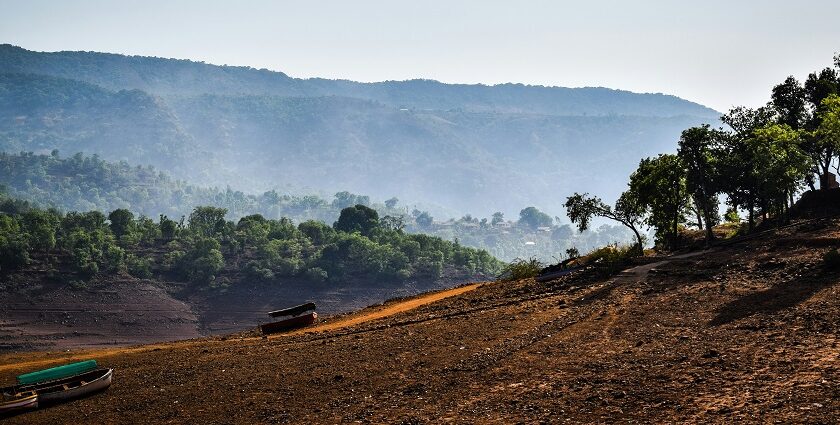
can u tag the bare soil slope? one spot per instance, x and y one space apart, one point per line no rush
747 333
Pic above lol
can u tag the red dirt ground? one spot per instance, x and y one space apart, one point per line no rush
747 333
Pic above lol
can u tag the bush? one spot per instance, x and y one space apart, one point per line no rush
611 258
520 269
428 267
831 259
316 274
114 257
139 267
203 261
254 270
14 252
172 259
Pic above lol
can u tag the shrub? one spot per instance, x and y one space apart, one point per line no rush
732 216
14 252
172 259
203 261
114 257
139 267
521 269
611 258
254 270
428 267
316 274
168 227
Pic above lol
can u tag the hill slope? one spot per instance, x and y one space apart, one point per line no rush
187 78
465 148
746 333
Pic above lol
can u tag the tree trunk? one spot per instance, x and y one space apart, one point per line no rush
710 234
825 168
751 208
697 210
638 240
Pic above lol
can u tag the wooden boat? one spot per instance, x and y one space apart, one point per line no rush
69 388
58 372
17 402
290 323
293 311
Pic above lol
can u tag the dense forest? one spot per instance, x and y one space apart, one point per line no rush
455 149
358 246
84 183
757 166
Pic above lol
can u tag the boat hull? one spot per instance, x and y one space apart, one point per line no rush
292 311
70 388
291 323
60 394
24 403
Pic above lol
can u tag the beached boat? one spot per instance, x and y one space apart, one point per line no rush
290 323
17 402
69 388
293 311
58 372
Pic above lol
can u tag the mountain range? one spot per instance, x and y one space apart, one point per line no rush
460 148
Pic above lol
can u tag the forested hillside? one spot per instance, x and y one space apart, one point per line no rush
463 148
85 183
205 247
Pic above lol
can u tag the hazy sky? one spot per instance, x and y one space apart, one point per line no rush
719 53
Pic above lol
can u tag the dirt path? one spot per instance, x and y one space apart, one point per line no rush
385 311
353 319
641 272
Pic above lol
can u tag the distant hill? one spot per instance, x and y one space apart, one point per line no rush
466 148
187 78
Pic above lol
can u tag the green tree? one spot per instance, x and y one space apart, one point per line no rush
207 221
203 261
317 232
422 218
346 199
581 208
699 150
14 248
391 203
393 223
827 134
168 227
534 218
498 217
122 222
41 226
789 101
659 186
358 218
780 166
818 87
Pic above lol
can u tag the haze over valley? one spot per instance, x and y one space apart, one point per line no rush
419 212
454 148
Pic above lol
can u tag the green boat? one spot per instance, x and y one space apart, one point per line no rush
57 372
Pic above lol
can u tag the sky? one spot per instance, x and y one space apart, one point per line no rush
717 53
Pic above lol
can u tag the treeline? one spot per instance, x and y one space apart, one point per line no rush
757 166
205 248
86 183
534 234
